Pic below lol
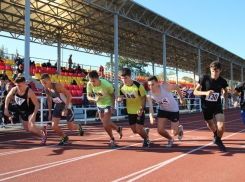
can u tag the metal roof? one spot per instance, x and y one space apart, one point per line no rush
88 26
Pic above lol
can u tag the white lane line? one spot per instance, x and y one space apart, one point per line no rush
157 166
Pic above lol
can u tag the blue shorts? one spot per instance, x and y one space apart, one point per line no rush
243 115
102 110
69 117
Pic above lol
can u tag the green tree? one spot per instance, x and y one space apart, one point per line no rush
123 62
169 73
3 51
187 79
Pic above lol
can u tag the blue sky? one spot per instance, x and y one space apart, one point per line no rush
220 21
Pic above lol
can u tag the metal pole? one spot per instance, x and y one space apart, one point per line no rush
199 63
218 58
177 75
164 58
241 74
111 67
153 67
27 40
59 55
231 78
194 80
116 57
41 111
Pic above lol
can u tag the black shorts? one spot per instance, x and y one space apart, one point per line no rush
135 119
25 114
69 117
172 116
210 112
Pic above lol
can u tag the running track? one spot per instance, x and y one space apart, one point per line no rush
89 158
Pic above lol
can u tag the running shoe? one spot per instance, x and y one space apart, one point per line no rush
80 130
119 131
146 143
147 130
170 143
180 136
113 144
220 145
45 131
214 139
44 140
63 141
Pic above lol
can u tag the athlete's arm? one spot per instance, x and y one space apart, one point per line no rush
120 95
234 96
8 98
198 92
169 87
151 111
226 98
33 97
140 111
90 98
113 102
49 101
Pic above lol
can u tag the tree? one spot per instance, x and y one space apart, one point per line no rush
3 51
169 73
187 79
124 62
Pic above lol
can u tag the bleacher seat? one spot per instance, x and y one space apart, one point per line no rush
54 76
52 80
71 74
80 93
66 86
71 87
62 73
76 87
2 64
64 77
57 80
81 87
66 74
38 65
2 67
37 76
69 91
9 68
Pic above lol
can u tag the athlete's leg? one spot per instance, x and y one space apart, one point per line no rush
141 131
220 124
210 125
243 116
72 126
70 120
161 123
25 125
105 118
34 129
175 129
56 128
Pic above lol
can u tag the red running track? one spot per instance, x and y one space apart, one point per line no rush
89 158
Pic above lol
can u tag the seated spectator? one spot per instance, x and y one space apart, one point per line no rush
32 63
15 74
74 66
55 64
20 70
73 82
101 69
18 60
85 95
49 64
2 85
4 75
44 65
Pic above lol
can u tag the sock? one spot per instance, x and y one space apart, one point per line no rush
218 138
118 129
215 133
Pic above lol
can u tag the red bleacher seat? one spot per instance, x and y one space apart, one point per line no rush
80 93
35 71
69 91
81 87
83 75
75 74
33 86
44 68
66 86
76 87
2 67
1 63
33 67
66 74
62 73
8 68
41 71
32 71
71 74
71 87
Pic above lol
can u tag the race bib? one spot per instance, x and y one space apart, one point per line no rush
131 95
100 93
57 100
19 101
213 98
164 102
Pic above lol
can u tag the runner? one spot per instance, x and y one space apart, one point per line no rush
105 99
28 106
135 102
240 88
62 99
211 87
169 109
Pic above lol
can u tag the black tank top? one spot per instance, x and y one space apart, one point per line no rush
23 102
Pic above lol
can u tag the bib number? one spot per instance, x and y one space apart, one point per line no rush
57 100
213 98
164 102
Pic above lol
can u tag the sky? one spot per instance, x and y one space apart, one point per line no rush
220 21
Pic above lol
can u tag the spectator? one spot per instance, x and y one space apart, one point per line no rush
146 88
32 63
15 74
17 60
20 70
101 69
55 64
191 98
85 95
74 66
49 64
2 85
70 62
4 75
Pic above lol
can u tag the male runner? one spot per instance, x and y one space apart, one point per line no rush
135 102
240 88
105 99
169 109
211 87
28 106
62 99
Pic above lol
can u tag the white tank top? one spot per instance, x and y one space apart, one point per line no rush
166 101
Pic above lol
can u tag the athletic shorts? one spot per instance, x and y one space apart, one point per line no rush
243 115
102 110
135 119
69 117
210 112
25 114
172 116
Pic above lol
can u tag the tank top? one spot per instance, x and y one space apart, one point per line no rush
166 101
24 103
58 98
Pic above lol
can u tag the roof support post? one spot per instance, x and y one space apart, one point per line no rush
177 75
218 58
231 78
241 74
59 54
199 63
27 40
164 58
111 66
153 67
194 79
116 58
